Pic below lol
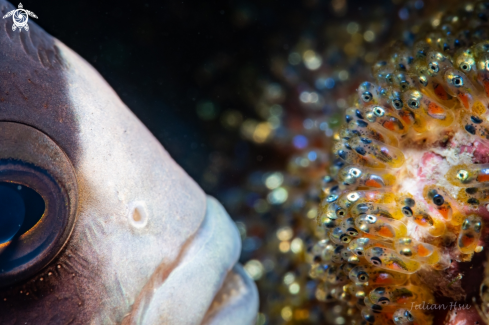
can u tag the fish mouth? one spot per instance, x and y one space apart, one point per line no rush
204 285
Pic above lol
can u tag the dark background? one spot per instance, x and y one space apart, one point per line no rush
164 58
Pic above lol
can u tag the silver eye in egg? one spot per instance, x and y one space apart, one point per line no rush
379 111
457 81
397 103
367 96
462 175
355 172
413 103
434 68
465 66
353 197
423 81
376 261
371 219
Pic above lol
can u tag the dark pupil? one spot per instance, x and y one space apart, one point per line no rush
465 67
457 81
413 104
21 208
359 253
433 67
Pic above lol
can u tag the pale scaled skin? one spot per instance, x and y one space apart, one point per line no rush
179 268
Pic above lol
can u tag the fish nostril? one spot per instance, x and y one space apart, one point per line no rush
138 217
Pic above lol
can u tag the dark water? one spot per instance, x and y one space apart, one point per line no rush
165 58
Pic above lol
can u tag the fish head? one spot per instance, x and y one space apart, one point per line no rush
126 236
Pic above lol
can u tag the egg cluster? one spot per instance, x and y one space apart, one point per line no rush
408 191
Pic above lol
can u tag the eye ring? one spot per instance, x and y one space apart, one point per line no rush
457 81
434 67
345 238
332 198
413 103
465 66
355 172
462 175
379 111
407 211
353 196
398 104
371 219
362 277
367 96
29 157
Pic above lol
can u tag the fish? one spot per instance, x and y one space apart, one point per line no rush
127 236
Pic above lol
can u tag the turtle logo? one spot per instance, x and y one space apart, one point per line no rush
20 17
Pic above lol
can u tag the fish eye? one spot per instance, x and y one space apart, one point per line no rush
398 104
383 301
477 226
376 308
362 277
345 238
332 198
406 252
404 85
355 172
413 103
379 111
367 96
371 219
423 81
408 315
369 318
371 117
352 197
359 252
407 211
329 223
434 67
465 66
462 175
376 261
438 200
39 195
405 241
379 290
352 232
341 212
457 81
466 224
